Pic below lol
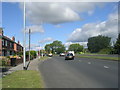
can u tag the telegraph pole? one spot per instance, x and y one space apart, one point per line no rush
24 43
29 43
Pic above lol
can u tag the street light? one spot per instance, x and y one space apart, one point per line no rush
29 43
24 43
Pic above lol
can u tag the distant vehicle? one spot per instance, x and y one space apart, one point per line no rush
71 52
62 54
69 56
50 54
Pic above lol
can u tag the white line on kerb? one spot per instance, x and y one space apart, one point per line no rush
106 67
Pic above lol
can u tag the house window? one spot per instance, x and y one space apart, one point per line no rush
10 45
6 43
3 42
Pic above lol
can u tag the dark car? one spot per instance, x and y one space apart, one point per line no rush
69 56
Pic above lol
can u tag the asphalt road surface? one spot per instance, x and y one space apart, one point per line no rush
79 73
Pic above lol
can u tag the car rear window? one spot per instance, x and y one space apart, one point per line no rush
69 54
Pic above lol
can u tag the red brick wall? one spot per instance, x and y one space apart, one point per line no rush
1 33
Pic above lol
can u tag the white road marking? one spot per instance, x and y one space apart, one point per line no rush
106 67
89 62
80 60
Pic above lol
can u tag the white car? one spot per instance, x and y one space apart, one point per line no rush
50 55
62 54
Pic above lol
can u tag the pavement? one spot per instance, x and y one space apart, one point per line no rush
79 73
33 65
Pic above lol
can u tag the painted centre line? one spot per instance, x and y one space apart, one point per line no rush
106 67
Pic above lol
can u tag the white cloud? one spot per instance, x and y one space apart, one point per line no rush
106 28
35 28
34 47
56 13
60 0
58 26
49 39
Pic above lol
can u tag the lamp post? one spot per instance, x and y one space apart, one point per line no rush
29 43
24 43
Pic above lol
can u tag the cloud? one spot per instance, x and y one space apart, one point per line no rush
56 13
58 26
106 28
35 28
60 1
49 39
34 47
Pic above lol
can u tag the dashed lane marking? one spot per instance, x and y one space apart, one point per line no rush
106 67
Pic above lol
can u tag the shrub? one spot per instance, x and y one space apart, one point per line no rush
105 51
4 61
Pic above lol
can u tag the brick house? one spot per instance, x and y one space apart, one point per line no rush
9 46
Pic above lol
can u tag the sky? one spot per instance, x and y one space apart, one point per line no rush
67 22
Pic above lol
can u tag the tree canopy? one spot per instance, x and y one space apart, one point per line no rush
117 45
33 53
55 46
76 48
95 44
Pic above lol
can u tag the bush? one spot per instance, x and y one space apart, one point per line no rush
81 52
105 51
4 61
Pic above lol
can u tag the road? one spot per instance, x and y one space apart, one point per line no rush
79 73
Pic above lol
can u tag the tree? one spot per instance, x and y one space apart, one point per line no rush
76 48
47 48
33 54
56 46
117 45
95 44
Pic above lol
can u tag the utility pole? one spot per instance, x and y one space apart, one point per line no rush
29 43
24 43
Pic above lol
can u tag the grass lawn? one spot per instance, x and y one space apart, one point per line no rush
23 79
99 57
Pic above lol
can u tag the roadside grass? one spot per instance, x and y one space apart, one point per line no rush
23 79
94 54
43 58
99 57
0 83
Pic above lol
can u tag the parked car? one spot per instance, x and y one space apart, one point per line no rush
50 54
62 54
69 56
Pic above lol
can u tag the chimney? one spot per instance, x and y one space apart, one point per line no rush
13 38
18 42
1 31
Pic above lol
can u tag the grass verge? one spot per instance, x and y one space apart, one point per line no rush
23 79
100 57
43 58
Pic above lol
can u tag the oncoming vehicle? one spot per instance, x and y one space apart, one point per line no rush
62 54
50 54
69 56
